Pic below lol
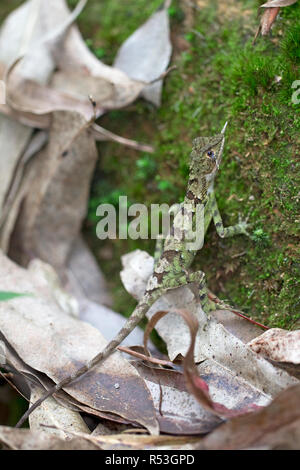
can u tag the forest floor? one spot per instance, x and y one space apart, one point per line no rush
220 77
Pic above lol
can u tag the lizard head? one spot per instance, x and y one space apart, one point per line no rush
206 155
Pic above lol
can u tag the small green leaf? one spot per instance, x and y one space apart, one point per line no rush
4 296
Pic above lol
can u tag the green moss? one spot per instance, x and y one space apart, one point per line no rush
290 43
219 77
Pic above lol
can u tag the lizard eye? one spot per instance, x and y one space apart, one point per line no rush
211 154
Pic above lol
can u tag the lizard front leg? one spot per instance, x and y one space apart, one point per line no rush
159 248
225 232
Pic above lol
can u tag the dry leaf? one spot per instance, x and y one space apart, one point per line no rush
278 3
28 96
236 325
50 413
25 30
11 210
195 384
35 145
50 341
180 411
26 439
129 441
53 210
145 55
14 138
84 277
275 427
278 345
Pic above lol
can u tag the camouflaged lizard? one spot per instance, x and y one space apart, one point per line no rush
173 258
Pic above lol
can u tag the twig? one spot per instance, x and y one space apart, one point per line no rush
215 299
163 75
99 131
237 255
13 386
154 360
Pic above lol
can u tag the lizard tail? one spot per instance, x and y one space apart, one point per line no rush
135 318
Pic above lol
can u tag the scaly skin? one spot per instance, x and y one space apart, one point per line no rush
173 257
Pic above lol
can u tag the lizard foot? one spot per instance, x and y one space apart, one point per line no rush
243 225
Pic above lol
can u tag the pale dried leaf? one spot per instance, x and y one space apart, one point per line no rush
145 55
22 32
64 300
26 439
275 427
85 279
14 138
130 441
27 119
244 330
278 345
199 387
50 413
53 211
57 344
28 96
11 215
112 87
35 145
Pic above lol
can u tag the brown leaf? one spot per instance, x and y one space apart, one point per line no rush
179 412
36 143
267 20
28 96
276 426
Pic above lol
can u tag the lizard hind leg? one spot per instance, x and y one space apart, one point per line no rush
159 248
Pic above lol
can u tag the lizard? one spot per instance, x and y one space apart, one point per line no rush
173 258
